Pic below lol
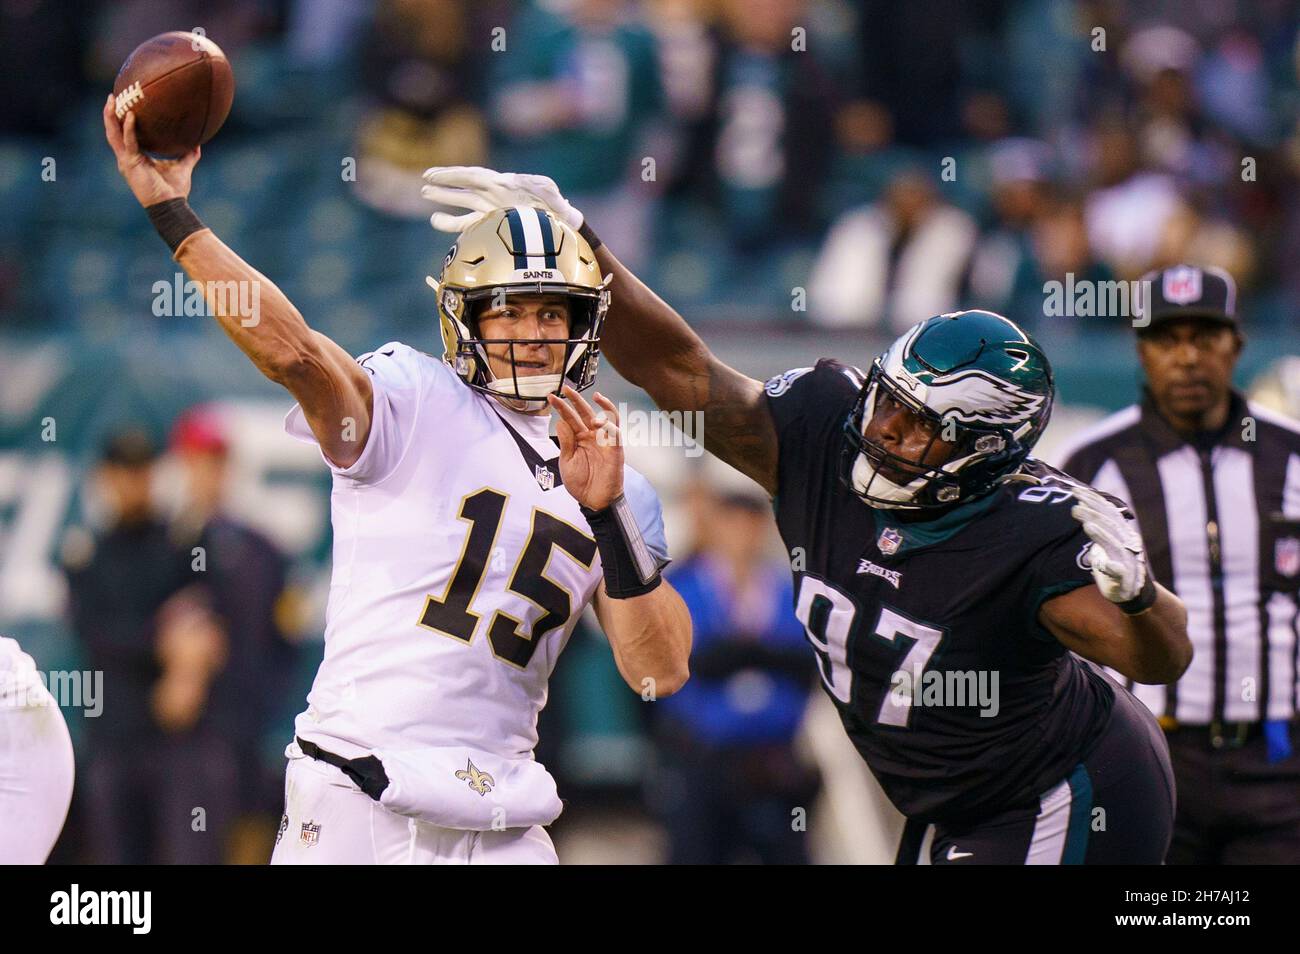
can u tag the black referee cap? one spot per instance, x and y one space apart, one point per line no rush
1186 291
128 448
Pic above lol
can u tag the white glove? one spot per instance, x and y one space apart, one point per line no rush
483 190
1117 557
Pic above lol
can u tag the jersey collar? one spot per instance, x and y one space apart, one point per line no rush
924 533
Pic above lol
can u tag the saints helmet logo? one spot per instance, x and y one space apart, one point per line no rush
481 782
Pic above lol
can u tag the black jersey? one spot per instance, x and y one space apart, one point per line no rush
926 630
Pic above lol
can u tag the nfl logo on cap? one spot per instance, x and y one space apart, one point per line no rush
1182 285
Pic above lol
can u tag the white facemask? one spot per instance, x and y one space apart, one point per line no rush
885 493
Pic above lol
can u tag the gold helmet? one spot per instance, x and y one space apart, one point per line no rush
514 251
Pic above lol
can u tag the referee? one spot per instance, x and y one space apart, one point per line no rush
1215 483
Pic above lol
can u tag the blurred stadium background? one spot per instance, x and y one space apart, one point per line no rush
775 168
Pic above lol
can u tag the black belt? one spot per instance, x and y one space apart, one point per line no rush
368 772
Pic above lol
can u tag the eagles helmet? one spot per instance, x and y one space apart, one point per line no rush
980 382
514 251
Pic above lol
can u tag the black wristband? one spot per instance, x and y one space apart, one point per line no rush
630 568
589 234
175 221
1143 601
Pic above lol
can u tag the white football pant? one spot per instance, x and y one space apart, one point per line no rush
329 821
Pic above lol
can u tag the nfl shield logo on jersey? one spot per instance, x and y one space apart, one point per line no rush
310 833
890 540
1286 556
1182 285
545 478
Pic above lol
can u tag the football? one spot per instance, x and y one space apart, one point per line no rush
180 86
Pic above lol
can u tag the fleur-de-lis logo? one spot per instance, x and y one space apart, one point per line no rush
481 782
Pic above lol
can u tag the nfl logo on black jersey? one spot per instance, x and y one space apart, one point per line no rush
889 541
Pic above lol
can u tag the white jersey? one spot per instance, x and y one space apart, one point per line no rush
461 565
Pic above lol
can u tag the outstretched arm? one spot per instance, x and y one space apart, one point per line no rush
648 342
652 346
334 391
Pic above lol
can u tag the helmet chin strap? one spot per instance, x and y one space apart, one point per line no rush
866 474
535 386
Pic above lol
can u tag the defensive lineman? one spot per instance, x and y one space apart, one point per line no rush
928 549
465 547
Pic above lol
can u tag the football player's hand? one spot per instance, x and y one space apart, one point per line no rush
484 190
591 448
1117 556
151 180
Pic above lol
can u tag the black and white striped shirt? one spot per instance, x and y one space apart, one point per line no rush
1221 523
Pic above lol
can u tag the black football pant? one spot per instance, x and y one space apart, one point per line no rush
1116 807
1235 807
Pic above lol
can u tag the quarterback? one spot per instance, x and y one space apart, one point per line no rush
466 544
932 555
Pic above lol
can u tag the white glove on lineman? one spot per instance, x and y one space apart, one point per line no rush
1117 557
484 190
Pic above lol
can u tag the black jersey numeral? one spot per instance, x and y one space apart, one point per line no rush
450 613
513 640
828 615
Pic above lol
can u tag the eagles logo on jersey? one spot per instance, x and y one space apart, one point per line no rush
520 250
981 384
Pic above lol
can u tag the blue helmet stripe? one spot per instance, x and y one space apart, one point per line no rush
548 237
517 238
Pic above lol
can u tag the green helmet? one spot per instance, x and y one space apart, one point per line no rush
979 382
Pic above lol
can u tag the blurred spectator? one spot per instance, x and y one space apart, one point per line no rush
1130 212
1005 275
157 788
244 580
763 150
422 66
124 25
43 45
911 62
895 262
729 780
571 98
1061 247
